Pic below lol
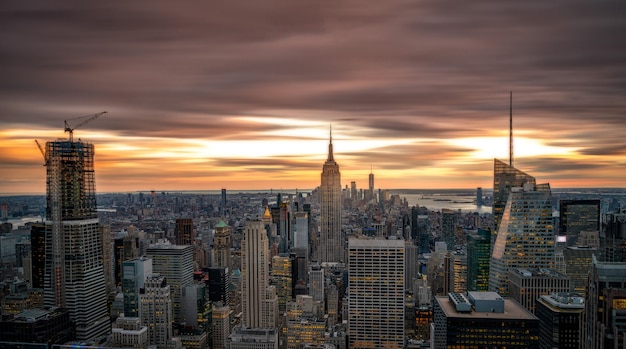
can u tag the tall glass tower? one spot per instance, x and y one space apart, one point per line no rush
331 246
74 274
505 177
525 236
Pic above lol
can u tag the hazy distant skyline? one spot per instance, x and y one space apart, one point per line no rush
235 95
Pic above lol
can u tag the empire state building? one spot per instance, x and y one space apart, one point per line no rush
331 247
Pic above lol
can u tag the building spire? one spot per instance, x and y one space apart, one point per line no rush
330 145
511 130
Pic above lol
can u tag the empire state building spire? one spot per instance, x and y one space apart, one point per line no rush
330 146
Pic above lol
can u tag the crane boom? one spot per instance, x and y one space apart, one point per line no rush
43 152
92 117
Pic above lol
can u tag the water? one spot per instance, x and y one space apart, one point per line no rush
435 202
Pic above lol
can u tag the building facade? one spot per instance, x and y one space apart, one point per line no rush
331 245
134 273
526 285
155 308
560 320
376 292
74 274
525 238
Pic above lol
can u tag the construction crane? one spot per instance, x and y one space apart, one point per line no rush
91 118
43 152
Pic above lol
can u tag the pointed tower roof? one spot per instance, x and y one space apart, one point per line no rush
267 213
330 146
221 224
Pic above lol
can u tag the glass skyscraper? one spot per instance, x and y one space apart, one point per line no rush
525 237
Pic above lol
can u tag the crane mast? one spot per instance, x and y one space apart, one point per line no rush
90 118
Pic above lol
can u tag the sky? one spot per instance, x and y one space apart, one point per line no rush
204 95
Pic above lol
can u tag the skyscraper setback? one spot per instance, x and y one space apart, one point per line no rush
331 246
74 276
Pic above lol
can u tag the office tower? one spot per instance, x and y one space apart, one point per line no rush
222 245
129 332
578 260
134 273
184 232
505 177
38 254
301 231
482 320
220 326
459 269
419 229
193 338
219 284
107 257
376 292
370 193
155 308
605 308
281 278
223 201
479 196
353 191
303 324
331 244
525 238
478 247
560 320
124 248
284 227
528 284
252 338
255 290
316 283
576 216
448 228
332 304
74 276
175 264
196 307
614 246
410 263
299 269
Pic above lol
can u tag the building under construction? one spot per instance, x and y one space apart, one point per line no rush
74 276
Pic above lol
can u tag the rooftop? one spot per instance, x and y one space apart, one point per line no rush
512 310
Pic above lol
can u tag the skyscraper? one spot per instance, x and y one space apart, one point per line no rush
255 263
175 264
184 231
155 307
576 216
525 238
371 186
222 245
134 273
505 177
74 275
376 292
478 260
331 246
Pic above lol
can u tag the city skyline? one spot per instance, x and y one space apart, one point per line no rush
417 93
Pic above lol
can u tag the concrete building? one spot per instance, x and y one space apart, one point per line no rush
128 332
155 308
526 285
220 326
376 292
222 244
184 232
482 320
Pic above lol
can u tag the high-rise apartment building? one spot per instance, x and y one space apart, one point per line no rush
376 292
222 245
184 232
331 245
525 238
258 310
74 275
175 264
134 273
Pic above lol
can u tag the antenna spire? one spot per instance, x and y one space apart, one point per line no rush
511 129
330 145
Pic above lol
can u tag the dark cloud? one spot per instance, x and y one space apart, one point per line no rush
394 69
